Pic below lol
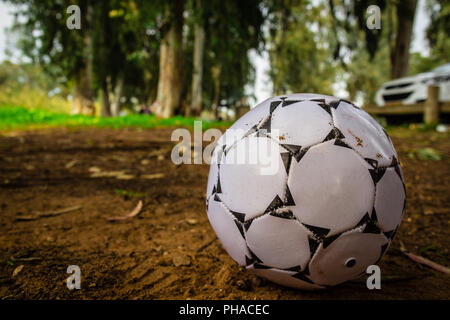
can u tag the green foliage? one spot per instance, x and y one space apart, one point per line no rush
46 40
129 194
431 249
232 28
420 64
125 43
122 39
20 118
312 46
438 32
28 85
438 36
425 154
29 96
365 75
300 57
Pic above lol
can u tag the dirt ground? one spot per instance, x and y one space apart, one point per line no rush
170 251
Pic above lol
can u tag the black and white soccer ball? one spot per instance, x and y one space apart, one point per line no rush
305 190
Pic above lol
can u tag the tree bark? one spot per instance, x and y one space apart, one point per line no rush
115 99
400 56
215 72
170 82
106 106
197 76
83 102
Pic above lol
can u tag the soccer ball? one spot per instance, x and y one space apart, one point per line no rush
305 190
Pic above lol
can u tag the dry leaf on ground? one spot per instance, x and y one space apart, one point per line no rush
133 213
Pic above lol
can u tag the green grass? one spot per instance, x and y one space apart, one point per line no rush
129 194
17 118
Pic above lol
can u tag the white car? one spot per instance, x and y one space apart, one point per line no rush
411 90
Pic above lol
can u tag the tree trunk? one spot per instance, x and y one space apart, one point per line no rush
352 93
106 107
83 102
400 56
197 76
216 71
83 95
170 82
115 103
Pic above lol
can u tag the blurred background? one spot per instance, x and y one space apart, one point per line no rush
212 59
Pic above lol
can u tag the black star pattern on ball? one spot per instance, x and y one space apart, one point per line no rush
249 132
253 259
328 240
289 102
365 219
296 151
274 105
287 159
303 275
394 161
377 174
275 204
373 163
318 232
396 166
247 224
224 149
239 216
383 250
288 200
341 143
334 103
313 244
326 106
350 103
240 228
217 188
391 234
294 268
372 225
287 214
265 126
334 134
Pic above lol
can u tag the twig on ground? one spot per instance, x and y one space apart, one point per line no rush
133 213
29 259
58 212
203 247
152 176
26 218
424 261
48 214
71 164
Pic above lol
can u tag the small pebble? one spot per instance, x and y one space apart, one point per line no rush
181 260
